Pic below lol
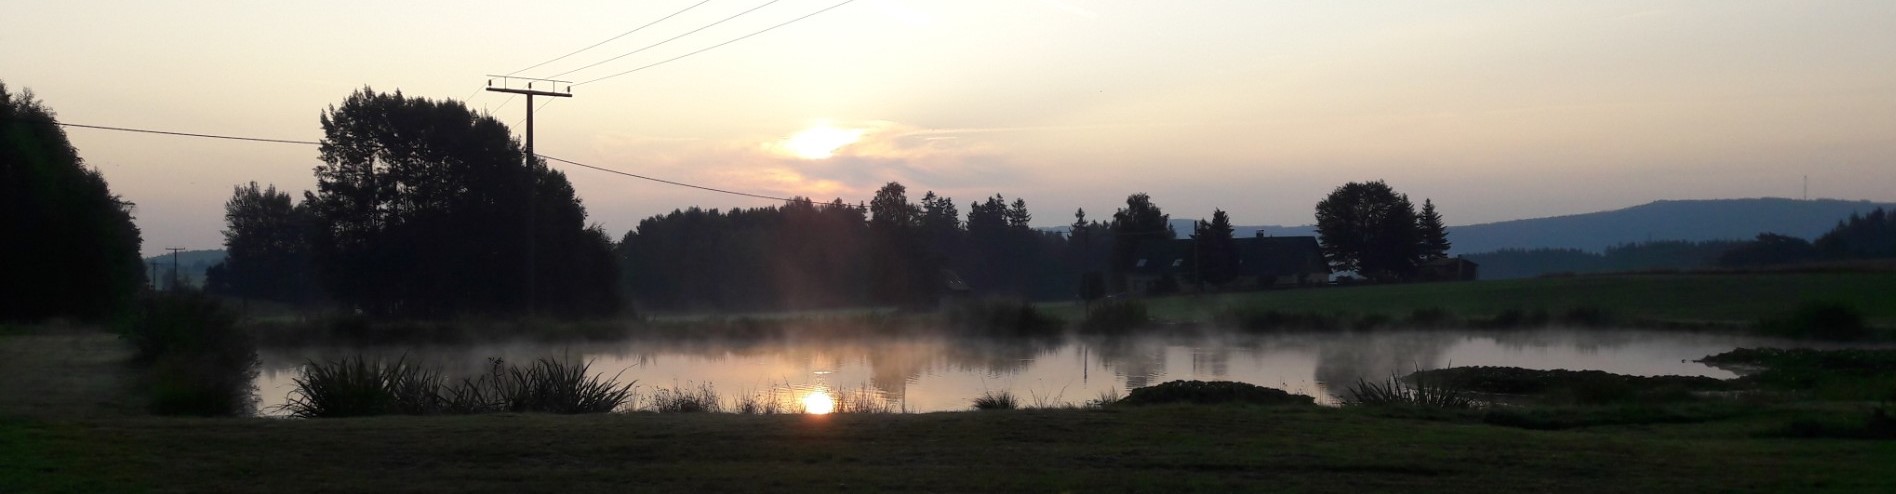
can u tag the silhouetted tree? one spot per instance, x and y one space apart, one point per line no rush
1870 236
70 248
904 274
1138 222
1214 253
1434 236
1769 249
267 246
1368 228
426 208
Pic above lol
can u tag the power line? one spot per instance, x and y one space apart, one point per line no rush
170 133
608 40
314 143
667 40
699 187
740 38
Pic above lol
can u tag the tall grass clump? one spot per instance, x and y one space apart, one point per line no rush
683 399
199 361
558 386
863 400
357 387
1396 392
1116 316
996 401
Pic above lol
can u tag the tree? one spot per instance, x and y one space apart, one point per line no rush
1870 236
904 274
1214 252
1140 221
425 208
1368 228
267 246
1434 236
71 249
1769 249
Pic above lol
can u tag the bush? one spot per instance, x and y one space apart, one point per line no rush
1212 392
1006 317
684 400
1272 320
198 361
1116 316
1823 320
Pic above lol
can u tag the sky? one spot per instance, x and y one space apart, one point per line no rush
1494 110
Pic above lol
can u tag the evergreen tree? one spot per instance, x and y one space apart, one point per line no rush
71 249
1871 236
1434 236
1140 221
1214 251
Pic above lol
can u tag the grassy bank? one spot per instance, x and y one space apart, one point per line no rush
1206 448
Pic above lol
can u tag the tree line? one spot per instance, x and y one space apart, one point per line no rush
425 208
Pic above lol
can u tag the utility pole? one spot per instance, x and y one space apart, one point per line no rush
533 168
174 266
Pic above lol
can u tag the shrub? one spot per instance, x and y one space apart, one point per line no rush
1823 320
1000 317
996 401
198 361
1116 316
1212 392
1273 320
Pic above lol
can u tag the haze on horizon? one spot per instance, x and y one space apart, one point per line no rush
1495 110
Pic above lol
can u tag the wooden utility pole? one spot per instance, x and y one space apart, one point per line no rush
551 89
174 266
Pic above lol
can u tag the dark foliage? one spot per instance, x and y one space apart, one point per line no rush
996 401
1368 228
1212 392
1769 249
1820 319
1114 316
1644 256
426 208
70 245
267 246
1140 221
1434 235
1871 236
357 387
1000 317
1214 258
199 361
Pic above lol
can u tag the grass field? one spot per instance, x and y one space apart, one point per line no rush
1741 298
1203 448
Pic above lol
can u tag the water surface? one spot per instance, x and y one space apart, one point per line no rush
927 373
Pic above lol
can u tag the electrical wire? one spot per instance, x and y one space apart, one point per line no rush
699 187
608 40
314 143
667 40
740 38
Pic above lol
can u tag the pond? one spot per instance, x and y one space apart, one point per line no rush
929 373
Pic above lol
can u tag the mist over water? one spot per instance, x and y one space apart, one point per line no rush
940 372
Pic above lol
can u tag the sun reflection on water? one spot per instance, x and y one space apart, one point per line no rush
818 402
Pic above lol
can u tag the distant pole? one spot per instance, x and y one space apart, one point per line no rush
533 167
152 281
174 266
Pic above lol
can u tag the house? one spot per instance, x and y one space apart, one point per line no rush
1448 269
1164 266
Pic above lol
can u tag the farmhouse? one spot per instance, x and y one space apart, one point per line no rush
1165 266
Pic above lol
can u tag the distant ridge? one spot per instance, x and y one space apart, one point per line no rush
1691 220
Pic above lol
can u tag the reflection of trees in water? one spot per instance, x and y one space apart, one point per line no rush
1378 355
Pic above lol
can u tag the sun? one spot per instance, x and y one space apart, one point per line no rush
820 142
818 402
